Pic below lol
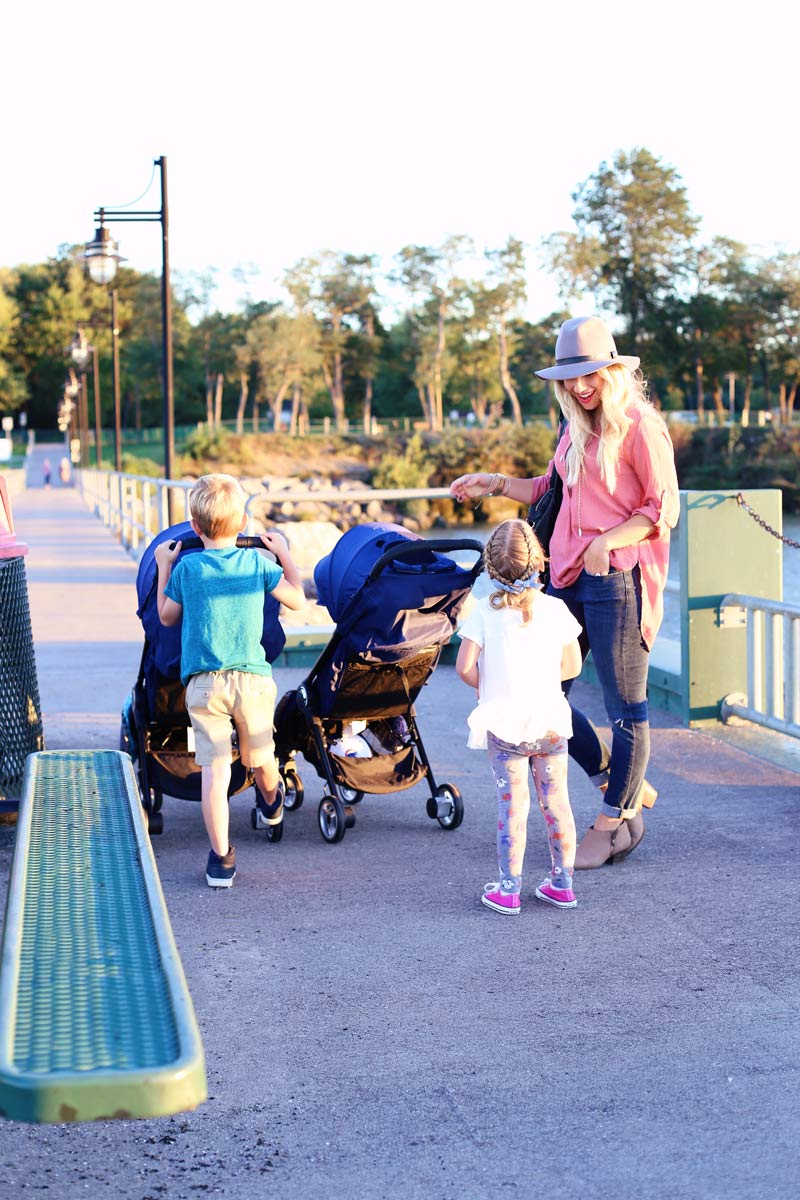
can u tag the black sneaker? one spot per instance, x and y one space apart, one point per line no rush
221 871
269 814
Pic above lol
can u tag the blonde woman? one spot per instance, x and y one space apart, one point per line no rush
514 635
609 555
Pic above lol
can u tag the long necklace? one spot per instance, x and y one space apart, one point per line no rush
580 477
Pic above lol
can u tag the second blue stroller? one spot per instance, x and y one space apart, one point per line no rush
395 598
155 724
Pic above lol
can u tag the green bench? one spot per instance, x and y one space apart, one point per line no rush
96 1021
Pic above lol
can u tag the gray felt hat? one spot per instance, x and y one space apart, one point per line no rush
585 345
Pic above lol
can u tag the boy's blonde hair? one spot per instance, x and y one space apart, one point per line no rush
514 555
619 391
216 503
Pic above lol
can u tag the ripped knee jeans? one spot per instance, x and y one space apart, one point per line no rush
609 609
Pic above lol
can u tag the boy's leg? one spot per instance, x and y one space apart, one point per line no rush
510 770
549 768
214 805
208 705
253 715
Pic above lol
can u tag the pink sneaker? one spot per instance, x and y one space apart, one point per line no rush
502 902
560 897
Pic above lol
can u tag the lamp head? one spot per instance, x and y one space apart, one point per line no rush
102 255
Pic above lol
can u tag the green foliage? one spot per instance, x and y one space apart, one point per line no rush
409 469
208 446
457 340
741 458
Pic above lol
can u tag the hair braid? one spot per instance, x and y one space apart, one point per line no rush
513 552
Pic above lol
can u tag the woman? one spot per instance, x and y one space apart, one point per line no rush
609 555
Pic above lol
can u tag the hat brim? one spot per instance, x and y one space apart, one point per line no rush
578 370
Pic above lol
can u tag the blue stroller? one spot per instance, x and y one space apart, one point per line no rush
395 598
155 728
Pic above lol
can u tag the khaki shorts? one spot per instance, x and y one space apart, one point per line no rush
216 698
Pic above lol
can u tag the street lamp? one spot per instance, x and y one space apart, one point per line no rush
69 410
81 352
102 256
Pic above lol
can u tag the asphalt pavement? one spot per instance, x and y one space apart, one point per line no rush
371 1031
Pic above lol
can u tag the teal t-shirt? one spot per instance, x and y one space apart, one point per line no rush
222 593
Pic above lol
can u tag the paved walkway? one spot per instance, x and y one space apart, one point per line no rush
372 1032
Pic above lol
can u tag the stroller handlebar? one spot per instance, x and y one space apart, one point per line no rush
399 551
243 542
436 546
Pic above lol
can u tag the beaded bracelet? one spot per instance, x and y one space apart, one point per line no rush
497 478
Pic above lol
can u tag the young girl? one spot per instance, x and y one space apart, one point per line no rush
517 645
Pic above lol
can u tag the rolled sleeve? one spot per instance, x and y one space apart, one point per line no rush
654 463
540 483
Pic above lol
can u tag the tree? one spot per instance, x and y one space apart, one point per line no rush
633 244
505 300
13 389
431 276
336 288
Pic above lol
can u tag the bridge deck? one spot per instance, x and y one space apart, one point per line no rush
371 1030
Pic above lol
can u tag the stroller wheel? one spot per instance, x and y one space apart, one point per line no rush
155 823
351 795
449 806
274 832
332 819
293 790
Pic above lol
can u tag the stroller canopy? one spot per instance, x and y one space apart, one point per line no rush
391 611
164 640
340 575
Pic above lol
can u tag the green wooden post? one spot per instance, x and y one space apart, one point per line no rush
722 550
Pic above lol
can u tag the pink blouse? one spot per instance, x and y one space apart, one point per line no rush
646 483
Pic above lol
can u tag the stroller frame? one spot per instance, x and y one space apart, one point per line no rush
312 733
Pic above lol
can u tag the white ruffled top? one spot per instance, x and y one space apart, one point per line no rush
520 696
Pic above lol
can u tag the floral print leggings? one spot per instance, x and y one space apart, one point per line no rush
547 761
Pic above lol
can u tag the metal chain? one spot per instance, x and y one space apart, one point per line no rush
740 500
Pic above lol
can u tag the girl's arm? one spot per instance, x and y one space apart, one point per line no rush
467 662
571 661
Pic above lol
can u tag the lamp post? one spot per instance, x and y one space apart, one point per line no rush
81 351
70 410
102 257
115 364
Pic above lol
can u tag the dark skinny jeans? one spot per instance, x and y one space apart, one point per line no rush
609 608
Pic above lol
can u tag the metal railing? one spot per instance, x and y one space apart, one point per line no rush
773 662
134 507
137 507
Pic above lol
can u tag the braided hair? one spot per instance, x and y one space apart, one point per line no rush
514 558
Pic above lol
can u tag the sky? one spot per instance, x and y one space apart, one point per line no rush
363 127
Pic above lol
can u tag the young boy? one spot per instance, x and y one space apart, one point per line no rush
219 594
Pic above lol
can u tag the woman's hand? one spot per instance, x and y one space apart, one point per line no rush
470 487
596 560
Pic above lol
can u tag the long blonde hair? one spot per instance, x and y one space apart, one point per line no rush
513 554
620 391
